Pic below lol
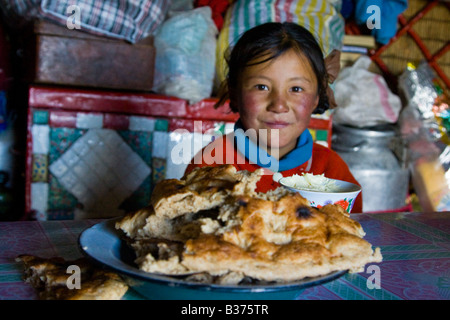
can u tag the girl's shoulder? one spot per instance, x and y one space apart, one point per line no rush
319 148
325 157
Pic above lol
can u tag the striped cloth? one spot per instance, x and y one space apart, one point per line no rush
320 17
129 20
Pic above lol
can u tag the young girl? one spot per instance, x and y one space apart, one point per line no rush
276 79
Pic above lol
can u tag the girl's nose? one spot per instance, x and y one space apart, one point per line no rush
277 103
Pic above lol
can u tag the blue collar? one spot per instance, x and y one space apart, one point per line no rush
295 158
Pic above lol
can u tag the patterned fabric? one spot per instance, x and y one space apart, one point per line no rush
416 258
130 20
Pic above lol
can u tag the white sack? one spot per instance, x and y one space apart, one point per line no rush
363 97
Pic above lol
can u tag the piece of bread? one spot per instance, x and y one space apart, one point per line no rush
285 240
201 189
50 278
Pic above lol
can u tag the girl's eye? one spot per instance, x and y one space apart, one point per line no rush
296 89
261 87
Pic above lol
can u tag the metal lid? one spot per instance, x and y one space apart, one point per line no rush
378 131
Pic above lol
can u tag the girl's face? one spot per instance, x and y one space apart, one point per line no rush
279 95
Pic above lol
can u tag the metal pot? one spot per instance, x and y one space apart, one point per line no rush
376 157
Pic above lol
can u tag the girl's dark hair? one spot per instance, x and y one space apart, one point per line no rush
268 41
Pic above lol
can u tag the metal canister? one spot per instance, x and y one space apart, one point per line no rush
376 157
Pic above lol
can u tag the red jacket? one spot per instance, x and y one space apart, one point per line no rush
323 161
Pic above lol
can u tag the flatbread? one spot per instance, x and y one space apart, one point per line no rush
285 240
49 277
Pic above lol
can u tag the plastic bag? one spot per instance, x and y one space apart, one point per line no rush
429 162
423 127
185 55
363 97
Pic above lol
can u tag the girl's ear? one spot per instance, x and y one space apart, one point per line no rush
333 65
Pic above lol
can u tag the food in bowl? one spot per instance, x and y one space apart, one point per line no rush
311 182
321 191
213 225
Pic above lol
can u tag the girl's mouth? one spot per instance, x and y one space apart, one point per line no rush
276 124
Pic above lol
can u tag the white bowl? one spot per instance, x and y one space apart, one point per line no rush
345 196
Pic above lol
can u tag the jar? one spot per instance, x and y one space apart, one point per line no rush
376 157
